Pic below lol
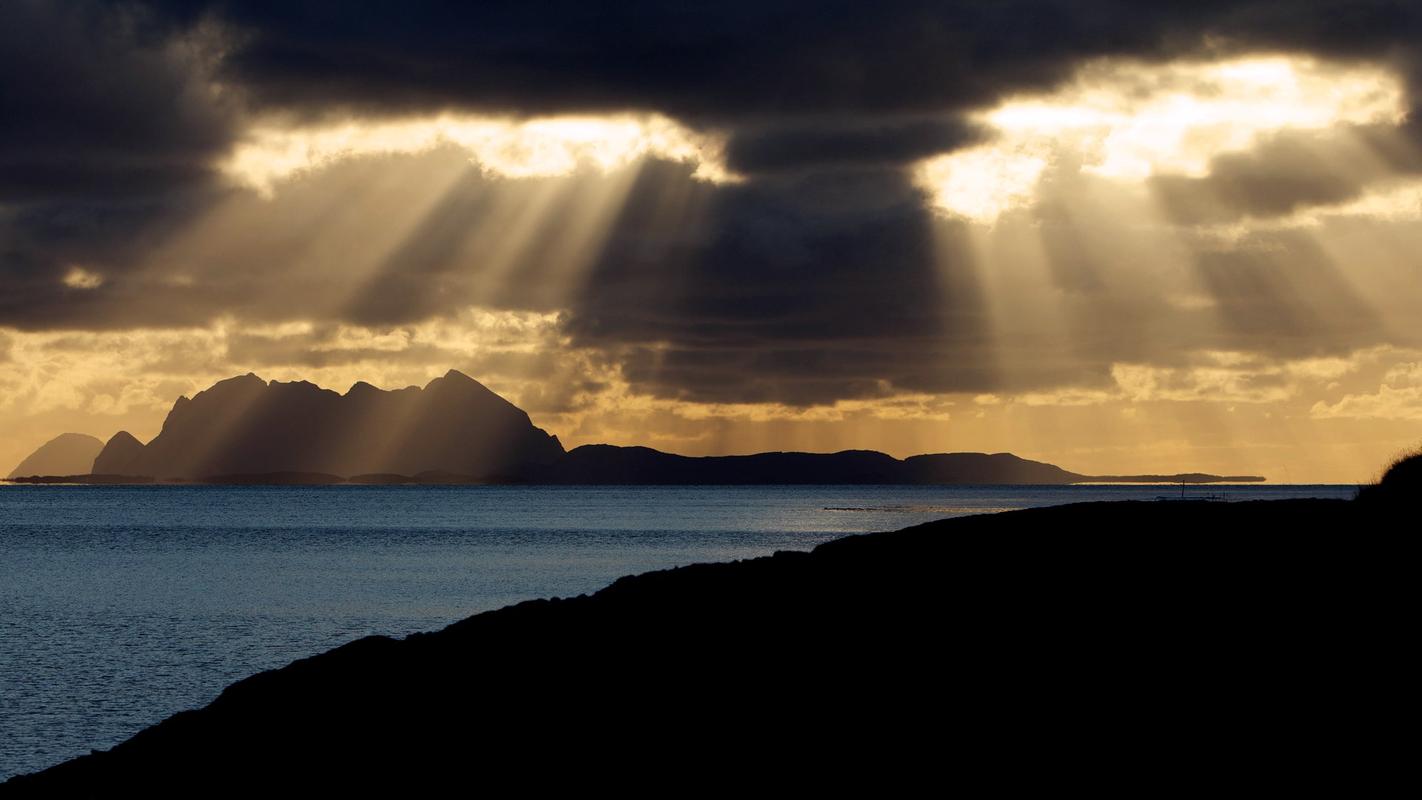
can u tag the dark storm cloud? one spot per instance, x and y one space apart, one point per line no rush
805 145
798 289
108 133
42 239
1279 293
1367 29
697 59
315 350
822 276
806 289
91 104
1287 172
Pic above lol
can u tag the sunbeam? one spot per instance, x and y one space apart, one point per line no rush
1129 121
539 147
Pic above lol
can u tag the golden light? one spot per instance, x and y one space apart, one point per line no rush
80 278
1127 121
515 148
339 216
982 182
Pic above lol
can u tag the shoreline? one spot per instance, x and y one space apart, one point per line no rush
282 479
860 618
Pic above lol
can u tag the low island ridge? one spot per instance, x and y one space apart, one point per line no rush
455 430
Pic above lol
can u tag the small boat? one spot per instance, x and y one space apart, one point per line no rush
1197 498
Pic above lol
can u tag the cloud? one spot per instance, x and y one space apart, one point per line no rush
830 143
80 278
95 103
1287 172
1281 293
700 61
1217 139
796 290
111 129
800 288
49 370
1399 397
406 170
530 148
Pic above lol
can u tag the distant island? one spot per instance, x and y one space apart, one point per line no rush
65 454
246 430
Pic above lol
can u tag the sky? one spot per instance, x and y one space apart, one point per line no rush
1119 237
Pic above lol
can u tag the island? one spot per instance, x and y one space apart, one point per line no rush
246 430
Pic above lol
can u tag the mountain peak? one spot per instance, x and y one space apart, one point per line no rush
464 386
250 382
124 437
456 378
457 428
120 456
245 425
65 454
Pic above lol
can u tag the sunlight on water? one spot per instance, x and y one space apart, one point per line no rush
122 605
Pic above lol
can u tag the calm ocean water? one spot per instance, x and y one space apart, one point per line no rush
122 605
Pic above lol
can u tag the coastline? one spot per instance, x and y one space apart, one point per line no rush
452 479
964 619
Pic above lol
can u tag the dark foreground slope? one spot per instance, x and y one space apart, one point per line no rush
1134 647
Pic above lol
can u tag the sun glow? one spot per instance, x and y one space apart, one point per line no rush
526 148
80 278
982 182
1128 121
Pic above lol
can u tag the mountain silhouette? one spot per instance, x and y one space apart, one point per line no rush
65 454
120 456
246 426
454 430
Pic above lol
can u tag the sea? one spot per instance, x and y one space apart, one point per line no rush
122 605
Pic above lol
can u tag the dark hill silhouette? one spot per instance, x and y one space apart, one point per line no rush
245 430
65 454
1401 484
121 456
87 478
984 468
248 427
607 464
1109 645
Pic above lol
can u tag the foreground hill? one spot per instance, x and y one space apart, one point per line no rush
246 426
1116 646
65 454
